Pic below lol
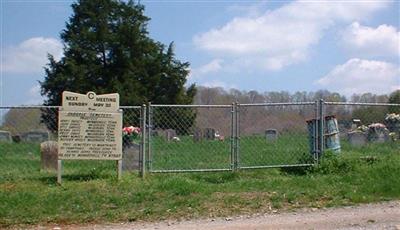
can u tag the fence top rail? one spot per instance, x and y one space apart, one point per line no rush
279 104
193 106
31 107
359 103
53 107
130 107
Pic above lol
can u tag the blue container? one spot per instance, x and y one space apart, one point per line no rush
331 137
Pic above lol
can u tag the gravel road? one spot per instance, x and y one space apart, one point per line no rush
368 216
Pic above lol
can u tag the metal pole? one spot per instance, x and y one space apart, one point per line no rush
321 128
315 133
149 128
233 137
59 171
237 136
143 141
119 165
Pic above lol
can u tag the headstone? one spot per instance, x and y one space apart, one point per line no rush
355 123
131 157
35 136
380 136
209 134
197 135
5 136
271 134
154 133
158 132
49 155
169 134
357 138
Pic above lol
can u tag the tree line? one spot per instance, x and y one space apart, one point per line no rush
218 95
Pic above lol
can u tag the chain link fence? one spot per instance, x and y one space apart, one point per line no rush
190 138
185 138
364 129
28 146
275 134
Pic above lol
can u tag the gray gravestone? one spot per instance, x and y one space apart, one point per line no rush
49 155
378 135
131 157
197 135
169 134
271 134
5 136
154 133
209 134
35 136
357 138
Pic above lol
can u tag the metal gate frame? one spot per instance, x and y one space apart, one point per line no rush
147 151
147 124
316 149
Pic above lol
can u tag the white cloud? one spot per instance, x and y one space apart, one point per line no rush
213 66
30 56
283 36
361 76
381 41
34 96
217 83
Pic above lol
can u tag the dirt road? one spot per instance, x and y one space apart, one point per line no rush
369 216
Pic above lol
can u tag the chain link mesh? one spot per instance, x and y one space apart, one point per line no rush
275 135
366 129
205 138
27 132
190 138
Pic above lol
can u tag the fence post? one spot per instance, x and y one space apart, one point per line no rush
142 157
321 127
149 128
233 110
237 135
315 133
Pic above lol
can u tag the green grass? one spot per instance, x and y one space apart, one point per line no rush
254 151
91 192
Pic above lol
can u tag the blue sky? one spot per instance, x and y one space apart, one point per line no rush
345 46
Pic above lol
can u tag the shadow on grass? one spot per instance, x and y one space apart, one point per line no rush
74 177
216 178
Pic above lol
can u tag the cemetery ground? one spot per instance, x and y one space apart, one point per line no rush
91 193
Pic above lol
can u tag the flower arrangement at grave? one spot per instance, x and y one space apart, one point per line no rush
392 121
130 136
361 129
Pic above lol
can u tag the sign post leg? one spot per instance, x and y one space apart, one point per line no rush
59 171
119 169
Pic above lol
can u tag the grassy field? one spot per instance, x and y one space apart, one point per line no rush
254 151
91 193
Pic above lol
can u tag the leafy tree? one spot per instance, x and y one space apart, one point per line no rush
107 49
18 120
370 114
395 99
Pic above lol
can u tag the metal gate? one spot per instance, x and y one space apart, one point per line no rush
276 134
185 138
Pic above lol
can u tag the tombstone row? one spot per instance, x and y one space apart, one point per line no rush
31 136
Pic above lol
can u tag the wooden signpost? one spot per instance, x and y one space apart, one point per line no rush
89 128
